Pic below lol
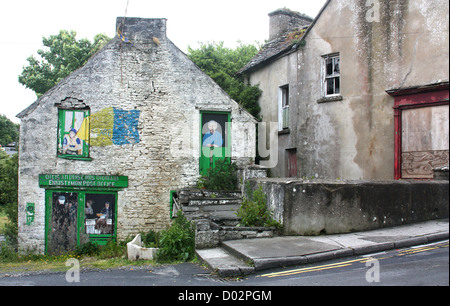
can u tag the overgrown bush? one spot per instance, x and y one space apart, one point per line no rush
177 243
254 212
110 250
7 253
88 248
221 177
150 239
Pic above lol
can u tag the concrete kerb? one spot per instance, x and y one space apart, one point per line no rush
261 264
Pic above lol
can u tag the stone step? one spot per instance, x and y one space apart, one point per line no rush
222 216
224 263
214 201
233 207
197 194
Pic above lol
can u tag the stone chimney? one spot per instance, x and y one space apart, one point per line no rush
284 20
141 30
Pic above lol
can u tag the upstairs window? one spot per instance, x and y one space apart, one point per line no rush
332 75
283 107
73 133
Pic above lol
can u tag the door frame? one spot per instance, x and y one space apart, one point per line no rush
226 149
413 97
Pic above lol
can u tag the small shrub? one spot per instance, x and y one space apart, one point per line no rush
150 239
178 242
111 250
221 177
254 212
88 248
7 253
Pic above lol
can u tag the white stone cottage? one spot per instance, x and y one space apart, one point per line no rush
101 152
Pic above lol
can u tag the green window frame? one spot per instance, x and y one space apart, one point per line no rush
73 134
83 234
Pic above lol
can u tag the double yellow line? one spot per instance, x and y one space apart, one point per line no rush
423 249
316 268
359 260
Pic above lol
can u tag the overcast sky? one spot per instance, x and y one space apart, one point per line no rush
23 23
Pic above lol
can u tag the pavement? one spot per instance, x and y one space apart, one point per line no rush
243 257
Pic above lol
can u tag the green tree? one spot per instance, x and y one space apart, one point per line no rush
8 194
64 55
9 131
222 65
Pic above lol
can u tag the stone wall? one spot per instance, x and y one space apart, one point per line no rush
158 94
314 207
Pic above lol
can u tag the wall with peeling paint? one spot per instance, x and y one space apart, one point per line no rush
382 45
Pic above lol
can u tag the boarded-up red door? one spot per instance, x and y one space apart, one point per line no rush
425 141
292 162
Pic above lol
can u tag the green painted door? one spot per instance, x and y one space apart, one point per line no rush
62 215
215 139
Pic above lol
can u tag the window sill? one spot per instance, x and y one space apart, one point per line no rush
75 157
284 131
330 99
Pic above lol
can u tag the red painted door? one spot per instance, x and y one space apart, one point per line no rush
292 163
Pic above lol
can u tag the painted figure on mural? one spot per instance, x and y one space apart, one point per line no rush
72 143
213 138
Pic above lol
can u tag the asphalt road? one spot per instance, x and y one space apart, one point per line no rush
426 265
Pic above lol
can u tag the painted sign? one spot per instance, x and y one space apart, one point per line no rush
113 126
80 180
30 213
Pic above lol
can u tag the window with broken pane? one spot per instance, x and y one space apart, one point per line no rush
332 72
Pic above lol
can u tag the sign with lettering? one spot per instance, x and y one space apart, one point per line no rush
81 180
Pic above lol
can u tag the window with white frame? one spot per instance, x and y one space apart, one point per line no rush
283 107
331 75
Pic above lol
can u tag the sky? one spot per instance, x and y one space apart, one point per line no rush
189 22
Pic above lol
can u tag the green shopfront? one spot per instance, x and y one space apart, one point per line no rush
80 209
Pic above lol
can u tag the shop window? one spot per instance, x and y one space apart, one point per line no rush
73 133
77 217
99 214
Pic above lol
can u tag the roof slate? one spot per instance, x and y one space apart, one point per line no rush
275 48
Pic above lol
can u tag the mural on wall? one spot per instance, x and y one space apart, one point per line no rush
113 126
73 136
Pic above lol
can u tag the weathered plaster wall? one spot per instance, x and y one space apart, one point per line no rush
315 207
167 91
271 78
405 45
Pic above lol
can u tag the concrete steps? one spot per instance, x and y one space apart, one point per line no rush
224 263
